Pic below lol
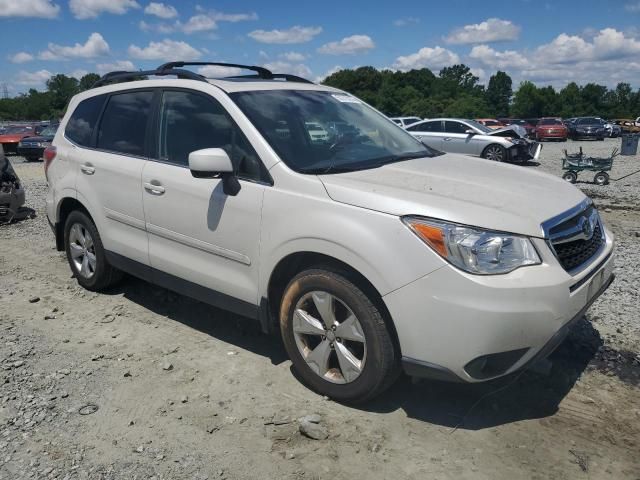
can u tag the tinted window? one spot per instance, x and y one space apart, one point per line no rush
427 127
124 123
191 121
589 121
83 120
455 127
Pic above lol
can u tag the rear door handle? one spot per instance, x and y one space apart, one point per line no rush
87 169
153 188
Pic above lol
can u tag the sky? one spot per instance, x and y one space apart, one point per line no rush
548 43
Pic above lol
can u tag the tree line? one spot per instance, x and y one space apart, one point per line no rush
454 92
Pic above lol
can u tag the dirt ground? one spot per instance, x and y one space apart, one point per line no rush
142 383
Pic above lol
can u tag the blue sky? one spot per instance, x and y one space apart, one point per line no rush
545 42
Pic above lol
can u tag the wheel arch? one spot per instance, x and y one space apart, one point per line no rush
65 207
294 263
496 144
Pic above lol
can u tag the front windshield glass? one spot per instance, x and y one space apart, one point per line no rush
589 121
50 131
325 132
550 121
479 126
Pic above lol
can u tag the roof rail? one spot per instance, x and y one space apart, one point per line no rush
122 76
175 68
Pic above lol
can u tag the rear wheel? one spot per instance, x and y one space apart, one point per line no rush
336 337
571 177
86 254
495 152
601 178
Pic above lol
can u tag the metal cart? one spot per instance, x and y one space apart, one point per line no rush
574 163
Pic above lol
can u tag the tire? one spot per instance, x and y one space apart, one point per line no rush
495 152
601 178
99 274
370 343
571 177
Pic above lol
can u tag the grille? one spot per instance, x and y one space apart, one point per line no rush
573 254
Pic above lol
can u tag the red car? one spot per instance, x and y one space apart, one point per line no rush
551 129
12 136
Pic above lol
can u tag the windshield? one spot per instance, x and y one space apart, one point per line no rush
479 126
550 121
492 123
50 131
589 121
325 132
14 130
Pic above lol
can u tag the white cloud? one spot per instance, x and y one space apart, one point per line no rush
328 73
298 69
83 9
161 10
607 44
433 58
29 8
95 46
33 78
491 30
632 7
295 34
348 46
165 50
203 21
233 17
78 73
508 59
199 23
119 65
403 22
20 57
215 71
263 54
293 56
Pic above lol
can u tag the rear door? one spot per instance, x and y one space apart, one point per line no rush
196 232
109 177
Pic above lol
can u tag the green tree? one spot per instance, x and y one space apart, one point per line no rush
87 81
62 88
499 93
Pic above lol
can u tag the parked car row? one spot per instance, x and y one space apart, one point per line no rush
29 141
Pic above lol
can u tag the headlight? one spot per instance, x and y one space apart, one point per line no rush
472 249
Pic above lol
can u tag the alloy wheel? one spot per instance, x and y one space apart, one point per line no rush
494 153
82 250
329 337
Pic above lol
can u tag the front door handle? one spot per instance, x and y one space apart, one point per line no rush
87 169
153 188
448 139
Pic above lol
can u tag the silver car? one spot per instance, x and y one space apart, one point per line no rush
455 135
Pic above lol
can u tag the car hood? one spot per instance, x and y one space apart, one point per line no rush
512 131
12 137
460 189
37 139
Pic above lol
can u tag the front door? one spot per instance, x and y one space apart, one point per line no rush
196 232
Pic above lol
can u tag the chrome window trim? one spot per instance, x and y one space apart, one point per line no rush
547 225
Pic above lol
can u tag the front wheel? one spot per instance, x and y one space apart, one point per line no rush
336 337
86 254
495 152
571 177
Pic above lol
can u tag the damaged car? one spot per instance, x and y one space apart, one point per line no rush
455 135
12 136
12 195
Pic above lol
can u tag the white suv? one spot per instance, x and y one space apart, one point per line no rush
370 252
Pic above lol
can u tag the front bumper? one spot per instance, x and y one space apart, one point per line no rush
522 152
30 151
594 134
455 326
10 147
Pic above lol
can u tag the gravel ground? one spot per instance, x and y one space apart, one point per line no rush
141 383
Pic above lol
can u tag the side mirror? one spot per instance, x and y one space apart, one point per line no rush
214 163
470 132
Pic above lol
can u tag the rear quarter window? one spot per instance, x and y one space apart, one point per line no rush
83 120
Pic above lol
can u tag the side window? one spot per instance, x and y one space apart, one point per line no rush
455 127
435 126
124 123
83 120
191 121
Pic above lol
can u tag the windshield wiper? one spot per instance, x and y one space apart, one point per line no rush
329 169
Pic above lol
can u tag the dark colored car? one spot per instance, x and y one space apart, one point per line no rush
551 129
587 127
32 148
12 136
12 195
